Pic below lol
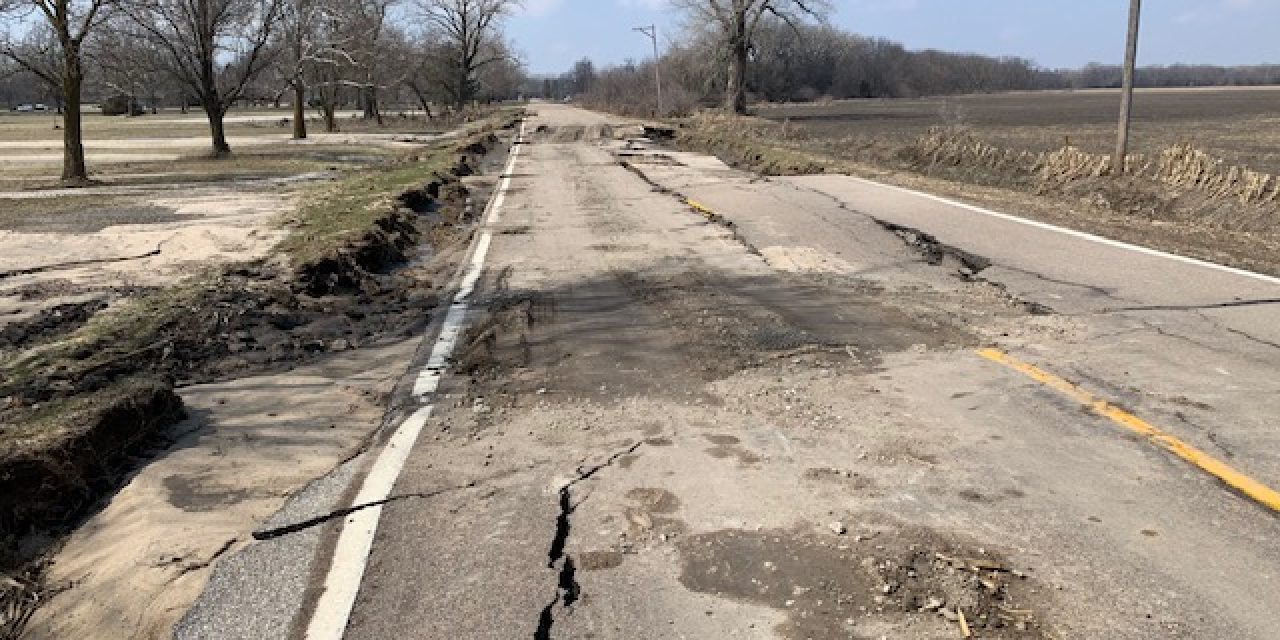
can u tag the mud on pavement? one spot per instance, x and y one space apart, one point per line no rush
90 396
829 585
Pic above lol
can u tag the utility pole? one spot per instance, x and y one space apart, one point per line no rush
652 32
1126 95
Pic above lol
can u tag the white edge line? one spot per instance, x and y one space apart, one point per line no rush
333 608
1078 234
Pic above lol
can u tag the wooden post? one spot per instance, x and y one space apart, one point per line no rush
1126 93
652 32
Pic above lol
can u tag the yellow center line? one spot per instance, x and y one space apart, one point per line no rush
1242 483
699 207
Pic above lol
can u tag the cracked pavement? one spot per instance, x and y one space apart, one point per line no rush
773 424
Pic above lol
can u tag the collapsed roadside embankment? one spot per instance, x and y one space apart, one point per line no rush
84 404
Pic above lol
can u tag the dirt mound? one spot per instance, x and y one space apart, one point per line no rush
349 268
45 485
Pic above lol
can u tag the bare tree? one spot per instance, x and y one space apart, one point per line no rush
735 22
121 64
424 78
369 43
52 51
470 35
582 76
313 47
301 24
328 67
343 44
214 48
501 79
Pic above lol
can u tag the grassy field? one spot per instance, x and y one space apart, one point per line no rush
1240 126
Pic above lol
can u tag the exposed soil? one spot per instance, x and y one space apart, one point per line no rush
48 323
47 484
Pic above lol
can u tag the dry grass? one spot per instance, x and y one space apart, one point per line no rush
1182 167
19 598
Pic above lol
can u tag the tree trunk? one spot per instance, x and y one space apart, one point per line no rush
330 114
299 111
73 164
736 90
371 108
329 101
460 93
217 130
370 100
422 98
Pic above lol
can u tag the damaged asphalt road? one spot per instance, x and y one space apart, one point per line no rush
773 423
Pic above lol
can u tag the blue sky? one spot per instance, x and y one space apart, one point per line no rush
551 34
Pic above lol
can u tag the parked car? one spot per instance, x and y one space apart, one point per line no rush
40 106
24 108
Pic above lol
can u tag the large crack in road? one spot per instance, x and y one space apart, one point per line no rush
567 588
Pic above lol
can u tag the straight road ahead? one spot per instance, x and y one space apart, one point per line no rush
661 426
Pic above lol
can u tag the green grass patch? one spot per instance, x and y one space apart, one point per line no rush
338 213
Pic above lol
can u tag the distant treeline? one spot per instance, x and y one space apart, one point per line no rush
1178 75
812 62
